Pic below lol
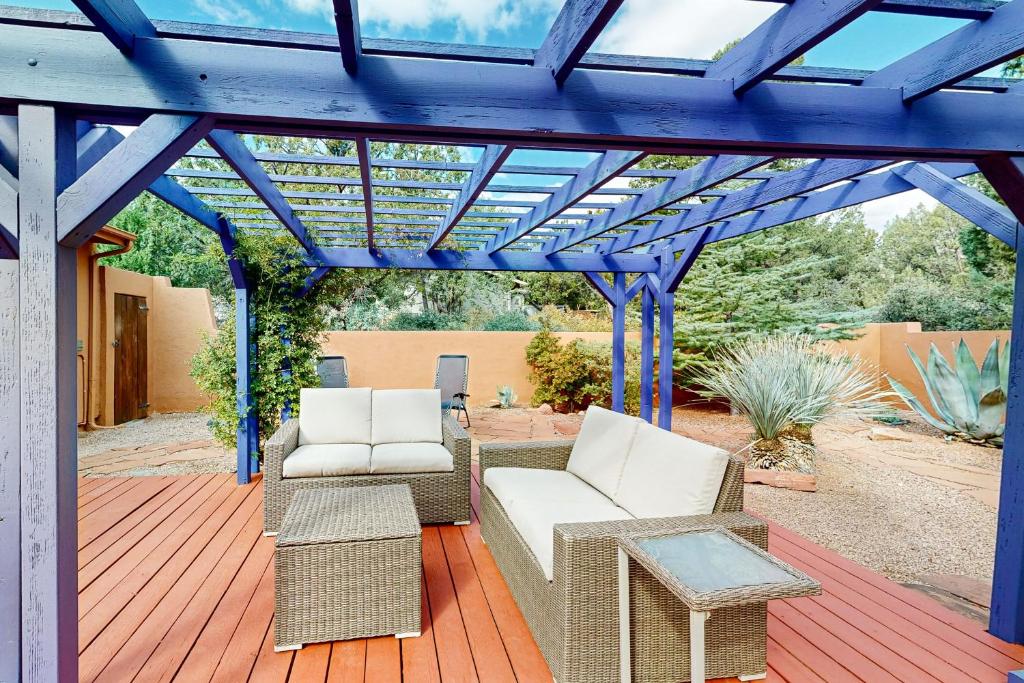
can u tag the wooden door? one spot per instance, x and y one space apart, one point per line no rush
130 358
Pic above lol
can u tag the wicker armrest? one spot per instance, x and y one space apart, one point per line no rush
457 441
546 455
278 447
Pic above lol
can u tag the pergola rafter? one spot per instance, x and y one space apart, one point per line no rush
924 122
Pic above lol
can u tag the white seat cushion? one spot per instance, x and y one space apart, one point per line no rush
327 460
406 416
536 500
507 483
394 458
668 475
599 453
334 416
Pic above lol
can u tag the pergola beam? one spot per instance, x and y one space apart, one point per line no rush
986 213
8 218
490 163
366 181
112 182
1006 174
783 37
590 178
121 21
958 55
577 26
258 89
346 18
815 175
440 259
700 177
235 152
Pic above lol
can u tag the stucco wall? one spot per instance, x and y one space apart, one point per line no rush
397 360
884 345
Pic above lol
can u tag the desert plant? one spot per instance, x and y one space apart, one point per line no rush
510 321
784 385
969 402
506 396
571 376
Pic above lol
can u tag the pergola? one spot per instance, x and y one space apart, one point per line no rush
923 122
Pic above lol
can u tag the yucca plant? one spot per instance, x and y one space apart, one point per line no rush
785 385
969 402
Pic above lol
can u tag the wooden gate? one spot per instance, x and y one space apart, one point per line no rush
130 356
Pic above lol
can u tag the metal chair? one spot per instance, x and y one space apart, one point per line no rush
333 371
452 378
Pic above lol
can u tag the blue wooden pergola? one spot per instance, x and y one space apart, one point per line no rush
925 121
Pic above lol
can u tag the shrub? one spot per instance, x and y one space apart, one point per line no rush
571 376
512 321
426 320
982 304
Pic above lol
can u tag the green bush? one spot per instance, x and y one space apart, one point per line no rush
426 320
512 321
571 376
275 268
983 304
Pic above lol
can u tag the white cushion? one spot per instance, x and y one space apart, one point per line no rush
599 453
334 416
406 416
668 475
507 483
393 458
535 520
535 500
327 460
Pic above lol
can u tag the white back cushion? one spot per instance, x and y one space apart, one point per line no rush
406 416
334 416
668 475
599 453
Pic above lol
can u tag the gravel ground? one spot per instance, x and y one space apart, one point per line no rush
157 428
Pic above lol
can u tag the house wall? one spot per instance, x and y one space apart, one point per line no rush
177 320
395 360
884 346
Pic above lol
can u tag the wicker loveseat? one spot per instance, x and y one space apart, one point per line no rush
564 575
364 437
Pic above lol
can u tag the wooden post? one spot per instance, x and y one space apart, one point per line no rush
647 355
666 313
47 278
247 435
619 343
1006 619
10 474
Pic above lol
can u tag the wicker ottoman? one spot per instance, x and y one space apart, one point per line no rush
347 565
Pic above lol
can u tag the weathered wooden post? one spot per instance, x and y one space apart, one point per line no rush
1006 618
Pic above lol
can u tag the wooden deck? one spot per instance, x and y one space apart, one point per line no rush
176 583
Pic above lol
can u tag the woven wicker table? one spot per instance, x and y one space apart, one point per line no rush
347 565
707 569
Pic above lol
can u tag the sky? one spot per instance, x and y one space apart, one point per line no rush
671 28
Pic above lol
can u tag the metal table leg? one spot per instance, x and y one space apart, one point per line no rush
697 620
625 672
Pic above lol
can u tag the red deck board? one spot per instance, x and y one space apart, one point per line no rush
178 585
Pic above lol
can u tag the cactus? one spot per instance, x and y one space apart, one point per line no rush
969 403
506 396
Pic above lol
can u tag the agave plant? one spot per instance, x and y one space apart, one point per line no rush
969 402
784 385
506 396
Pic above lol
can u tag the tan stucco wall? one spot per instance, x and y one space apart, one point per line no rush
884 346
178 319
395 360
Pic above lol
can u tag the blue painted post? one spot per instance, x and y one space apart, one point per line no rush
647 355
619 343
246 433
666 321
1015 677
286 371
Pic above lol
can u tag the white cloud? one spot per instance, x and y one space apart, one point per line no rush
681 28
228 12
880 211
473 19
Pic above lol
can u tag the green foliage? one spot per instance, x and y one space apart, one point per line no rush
571 376
512 321
426 320
977 304
274 269
969 402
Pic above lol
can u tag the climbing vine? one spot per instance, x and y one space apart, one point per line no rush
286 330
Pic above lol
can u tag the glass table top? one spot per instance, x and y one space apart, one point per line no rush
707 561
